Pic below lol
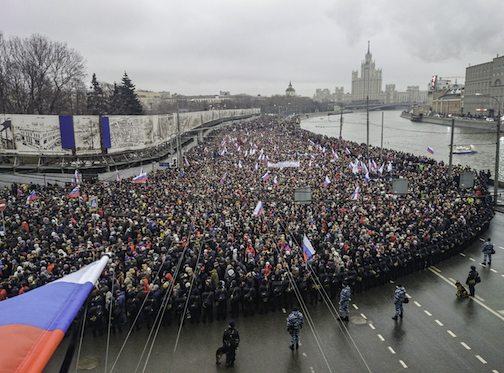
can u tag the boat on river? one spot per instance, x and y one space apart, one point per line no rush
464 149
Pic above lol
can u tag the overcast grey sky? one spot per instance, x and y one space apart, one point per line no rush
196 47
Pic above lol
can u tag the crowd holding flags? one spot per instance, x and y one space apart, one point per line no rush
266 176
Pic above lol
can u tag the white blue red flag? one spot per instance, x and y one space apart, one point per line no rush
258 209
31 197
327 181
256 167
74 193
186 162
335 156
355 194
275 180
347 152
33 324
308 250
430 150
118 177
223 177
140 179
266 176
240 165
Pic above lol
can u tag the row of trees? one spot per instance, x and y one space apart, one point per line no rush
40 76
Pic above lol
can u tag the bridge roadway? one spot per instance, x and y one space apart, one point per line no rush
439 332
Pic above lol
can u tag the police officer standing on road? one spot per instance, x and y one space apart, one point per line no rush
294 323
344 301
488 250
472 279
231 340
399 296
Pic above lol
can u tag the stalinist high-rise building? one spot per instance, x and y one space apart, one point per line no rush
370 82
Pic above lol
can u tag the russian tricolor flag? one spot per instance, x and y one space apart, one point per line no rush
335 156
186 162
355 194
266 176
275 180
256 167
223 177
140 179
327 181
31 197
118 177
308 250
347 151
430 150
239 165
258 209
74 193
33 324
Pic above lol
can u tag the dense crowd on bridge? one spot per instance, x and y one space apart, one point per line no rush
187 246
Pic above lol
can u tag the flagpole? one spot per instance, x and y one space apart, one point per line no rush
381 144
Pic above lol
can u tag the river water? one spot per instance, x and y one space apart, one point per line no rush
412 137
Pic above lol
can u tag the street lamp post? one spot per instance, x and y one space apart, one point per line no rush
497 148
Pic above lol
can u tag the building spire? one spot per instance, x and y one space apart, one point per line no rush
368 42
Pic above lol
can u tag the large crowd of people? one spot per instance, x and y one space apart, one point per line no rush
186 246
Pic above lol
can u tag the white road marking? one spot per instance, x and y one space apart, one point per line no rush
462 254
381 337
493 270
501 247
472 259
312 370
451 333
435 269
363 316
304 354
372 326
391 350
439 323
403 364
474 299
451 279
355 306
479 298
481 359
465 345
428 313
417 304
482 239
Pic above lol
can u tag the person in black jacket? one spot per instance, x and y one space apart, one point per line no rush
231 340
472 279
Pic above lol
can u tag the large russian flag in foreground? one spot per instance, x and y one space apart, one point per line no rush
308 250
33 324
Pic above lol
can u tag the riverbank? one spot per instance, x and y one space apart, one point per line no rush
459 122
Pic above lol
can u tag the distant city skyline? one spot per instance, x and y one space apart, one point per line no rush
202 48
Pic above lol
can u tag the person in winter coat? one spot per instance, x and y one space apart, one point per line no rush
399 296
472 279
344 301
488 250
231 340
295 322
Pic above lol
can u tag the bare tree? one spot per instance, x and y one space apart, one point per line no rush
39 76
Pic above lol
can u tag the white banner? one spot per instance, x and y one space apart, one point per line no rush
283 164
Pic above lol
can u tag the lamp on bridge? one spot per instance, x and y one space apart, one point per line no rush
497 146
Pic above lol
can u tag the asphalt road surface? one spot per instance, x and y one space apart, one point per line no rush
439 332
